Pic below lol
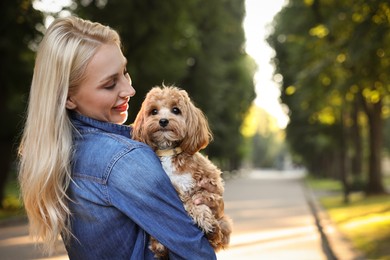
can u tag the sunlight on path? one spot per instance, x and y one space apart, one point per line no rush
271 218
279 244
15 244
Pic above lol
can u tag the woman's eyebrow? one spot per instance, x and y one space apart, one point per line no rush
109 77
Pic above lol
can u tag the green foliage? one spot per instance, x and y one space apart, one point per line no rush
333 59
18 32
268 151
264 145
193 44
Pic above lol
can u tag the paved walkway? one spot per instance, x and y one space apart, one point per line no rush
272 219
271 214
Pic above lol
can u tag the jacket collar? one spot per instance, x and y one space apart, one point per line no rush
83 123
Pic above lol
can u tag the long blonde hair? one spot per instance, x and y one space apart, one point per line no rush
45 150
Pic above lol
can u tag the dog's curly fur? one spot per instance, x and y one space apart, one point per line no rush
170 123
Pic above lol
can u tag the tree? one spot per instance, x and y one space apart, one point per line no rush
193 44
19 21
264 139
334 67
224 74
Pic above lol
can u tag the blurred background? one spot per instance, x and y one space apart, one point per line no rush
285 85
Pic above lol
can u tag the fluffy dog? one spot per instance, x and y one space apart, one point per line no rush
177 130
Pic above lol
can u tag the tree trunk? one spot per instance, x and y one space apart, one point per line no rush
6 156
375 121
357 147
7 140
344 157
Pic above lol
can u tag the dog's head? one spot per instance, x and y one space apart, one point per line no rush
169 119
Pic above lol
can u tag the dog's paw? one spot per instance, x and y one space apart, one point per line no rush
226 225
159 250
202 216
215 238
219 238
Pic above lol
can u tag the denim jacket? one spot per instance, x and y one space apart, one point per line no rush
119 195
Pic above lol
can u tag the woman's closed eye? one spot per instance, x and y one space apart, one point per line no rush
111 84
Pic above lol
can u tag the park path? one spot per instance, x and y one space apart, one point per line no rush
272 220
15 244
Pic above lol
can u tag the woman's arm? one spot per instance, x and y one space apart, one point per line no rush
139 187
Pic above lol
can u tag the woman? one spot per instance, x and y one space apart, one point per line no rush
81 175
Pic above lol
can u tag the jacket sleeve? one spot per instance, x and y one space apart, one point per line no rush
140 188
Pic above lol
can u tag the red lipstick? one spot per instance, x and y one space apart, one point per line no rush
122 108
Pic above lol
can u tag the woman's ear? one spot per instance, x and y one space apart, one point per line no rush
70 104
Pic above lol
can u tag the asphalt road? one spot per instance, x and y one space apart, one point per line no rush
272 220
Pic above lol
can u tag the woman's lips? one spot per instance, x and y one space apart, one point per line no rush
122 108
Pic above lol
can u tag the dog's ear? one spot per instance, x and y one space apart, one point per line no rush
139 127
198 130
138 132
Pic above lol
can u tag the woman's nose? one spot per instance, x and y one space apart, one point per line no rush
127 89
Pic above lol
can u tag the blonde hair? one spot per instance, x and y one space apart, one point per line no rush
45 150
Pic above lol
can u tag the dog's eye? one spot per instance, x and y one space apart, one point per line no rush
176 111
154 112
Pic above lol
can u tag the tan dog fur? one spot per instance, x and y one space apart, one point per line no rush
168 119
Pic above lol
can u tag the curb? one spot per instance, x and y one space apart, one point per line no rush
335 245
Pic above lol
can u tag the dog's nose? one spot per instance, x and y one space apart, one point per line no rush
163 122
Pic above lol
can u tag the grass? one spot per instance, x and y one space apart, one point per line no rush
323 184
365 221
386 181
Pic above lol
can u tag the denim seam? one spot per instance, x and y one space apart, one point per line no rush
109 170
89 177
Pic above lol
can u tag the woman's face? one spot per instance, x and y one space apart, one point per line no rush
106 90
